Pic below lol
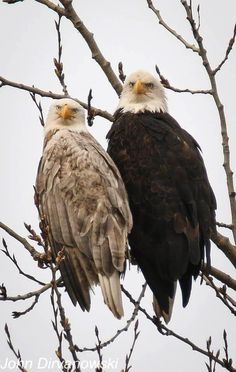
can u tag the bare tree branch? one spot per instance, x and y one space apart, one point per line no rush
30 294
167 85
221 276
171 30
43 93
214 91
220 107
71 14
168 332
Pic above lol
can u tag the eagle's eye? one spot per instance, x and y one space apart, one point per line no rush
149 85
58 107
131 84
75 109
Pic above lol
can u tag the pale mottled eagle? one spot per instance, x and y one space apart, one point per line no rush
171 200
83 199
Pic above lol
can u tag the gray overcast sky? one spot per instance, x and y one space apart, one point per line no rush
125 31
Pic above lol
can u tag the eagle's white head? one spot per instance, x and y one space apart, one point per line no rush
142 92
66 113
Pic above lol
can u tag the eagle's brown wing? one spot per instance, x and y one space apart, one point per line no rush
83 198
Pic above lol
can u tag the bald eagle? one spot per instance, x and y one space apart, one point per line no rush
83 199
171 200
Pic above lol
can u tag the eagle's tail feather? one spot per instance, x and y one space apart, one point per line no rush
160 312
112 293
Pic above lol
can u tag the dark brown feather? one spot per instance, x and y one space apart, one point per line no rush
171 200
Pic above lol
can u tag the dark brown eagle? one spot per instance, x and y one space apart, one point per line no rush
83 199
171 200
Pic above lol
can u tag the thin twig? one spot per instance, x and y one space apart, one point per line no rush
14 260
122 76
20 363
34 236
90 116
211 367
226 349
39 107
220 294
99 350
58 62
128 357
198 17
56 329
17 314
226 226
227 53
65 322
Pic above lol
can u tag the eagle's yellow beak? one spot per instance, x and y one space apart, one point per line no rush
65 112
139 87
